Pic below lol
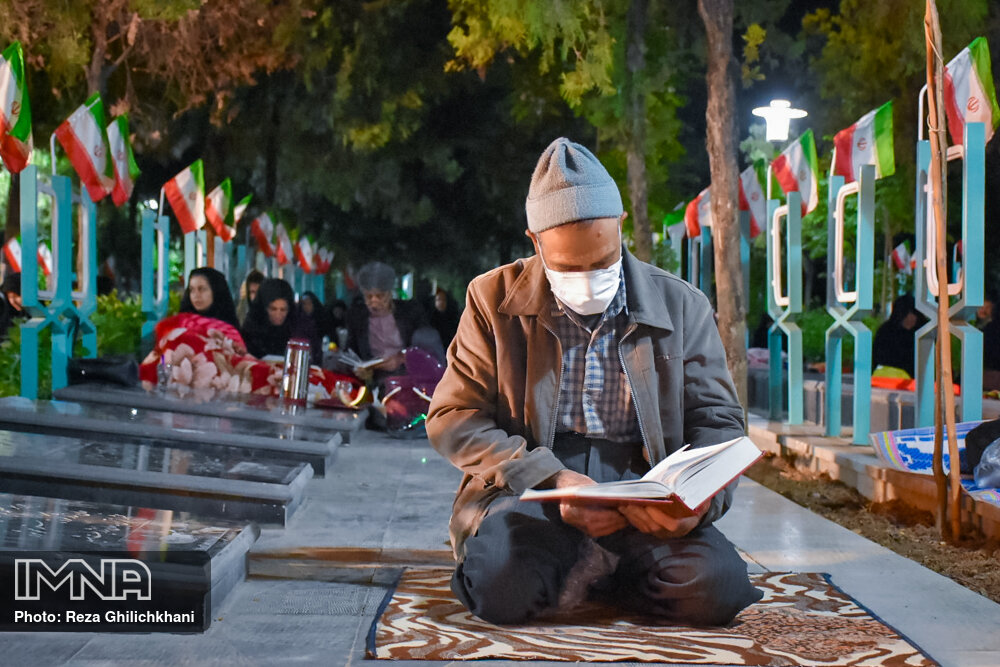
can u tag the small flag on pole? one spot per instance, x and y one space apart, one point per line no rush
12 251
752 200
186 194
283 252
901 258
868 141
304 254
218 207
15 111
229 231
698 213
122 160
969 95
262 229
45 258
797 170
85 141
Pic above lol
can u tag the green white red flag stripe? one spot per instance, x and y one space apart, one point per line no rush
85 141
969 95
186 194
218 207
15 111
229 231
283 251
901 258
752 200
797 170
12 251
45 258
122 160
698 214
262 229
868 141
304 254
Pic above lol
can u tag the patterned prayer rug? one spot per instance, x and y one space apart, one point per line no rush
802 620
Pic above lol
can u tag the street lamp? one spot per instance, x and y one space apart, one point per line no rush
777 116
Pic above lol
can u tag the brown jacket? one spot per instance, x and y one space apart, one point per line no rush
494 412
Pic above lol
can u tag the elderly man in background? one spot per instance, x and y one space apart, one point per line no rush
580 365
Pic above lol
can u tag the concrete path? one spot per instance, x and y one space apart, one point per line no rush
316 584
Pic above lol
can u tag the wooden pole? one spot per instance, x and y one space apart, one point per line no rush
210 246
936 132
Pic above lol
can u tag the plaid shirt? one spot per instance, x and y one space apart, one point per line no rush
594 395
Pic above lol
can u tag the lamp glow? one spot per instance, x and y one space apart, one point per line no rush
777 117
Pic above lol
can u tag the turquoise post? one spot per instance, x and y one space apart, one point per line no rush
705 262
968 292
785 309
848 306
155 270
64 305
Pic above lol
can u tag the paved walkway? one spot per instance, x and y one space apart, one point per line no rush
311 601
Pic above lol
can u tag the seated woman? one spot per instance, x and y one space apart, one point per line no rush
208 295
273 319
199 352
894 344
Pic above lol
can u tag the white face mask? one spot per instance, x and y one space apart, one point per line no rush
585 292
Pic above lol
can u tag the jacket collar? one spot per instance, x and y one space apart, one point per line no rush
530 294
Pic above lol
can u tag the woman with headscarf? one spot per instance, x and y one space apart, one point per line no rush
273 319
208 295
894 343
313 314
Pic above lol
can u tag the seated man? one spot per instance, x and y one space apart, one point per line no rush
579 365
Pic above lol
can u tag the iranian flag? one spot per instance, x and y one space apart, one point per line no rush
15 111
901 258
969 96
12 251
45 258
262 229
186 194
283 253
229 231
304 254
85 141
752 200
868 141
218 205
797 170
698 214
122 160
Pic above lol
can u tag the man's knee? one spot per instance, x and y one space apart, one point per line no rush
503 595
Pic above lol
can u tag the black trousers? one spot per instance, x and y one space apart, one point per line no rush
516 564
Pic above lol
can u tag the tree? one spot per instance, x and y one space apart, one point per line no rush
721 144
600 48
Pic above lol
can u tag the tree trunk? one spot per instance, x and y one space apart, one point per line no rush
721 144
638 187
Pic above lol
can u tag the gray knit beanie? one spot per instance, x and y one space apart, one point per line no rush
376 276
570 184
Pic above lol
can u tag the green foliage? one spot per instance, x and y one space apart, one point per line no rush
119 324
814 324
10 363
750 67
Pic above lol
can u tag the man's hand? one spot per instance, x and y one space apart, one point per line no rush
591 520
673 520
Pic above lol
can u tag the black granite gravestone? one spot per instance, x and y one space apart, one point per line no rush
212 481
118 423
217 404
200 560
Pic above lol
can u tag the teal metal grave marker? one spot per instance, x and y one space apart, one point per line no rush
64 304
967 290
195 251
784 308
848 307
155 270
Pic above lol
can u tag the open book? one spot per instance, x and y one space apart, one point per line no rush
690 476
351 358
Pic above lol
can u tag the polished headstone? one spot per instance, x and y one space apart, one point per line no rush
222 404
213 481
187 431
34 523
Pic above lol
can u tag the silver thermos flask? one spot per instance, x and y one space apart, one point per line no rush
295 377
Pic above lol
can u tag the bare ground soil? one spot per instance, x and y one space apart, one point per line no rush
974 562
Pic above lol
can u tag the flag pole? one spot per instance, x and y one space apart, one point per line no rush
159 210
52 151
950 506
